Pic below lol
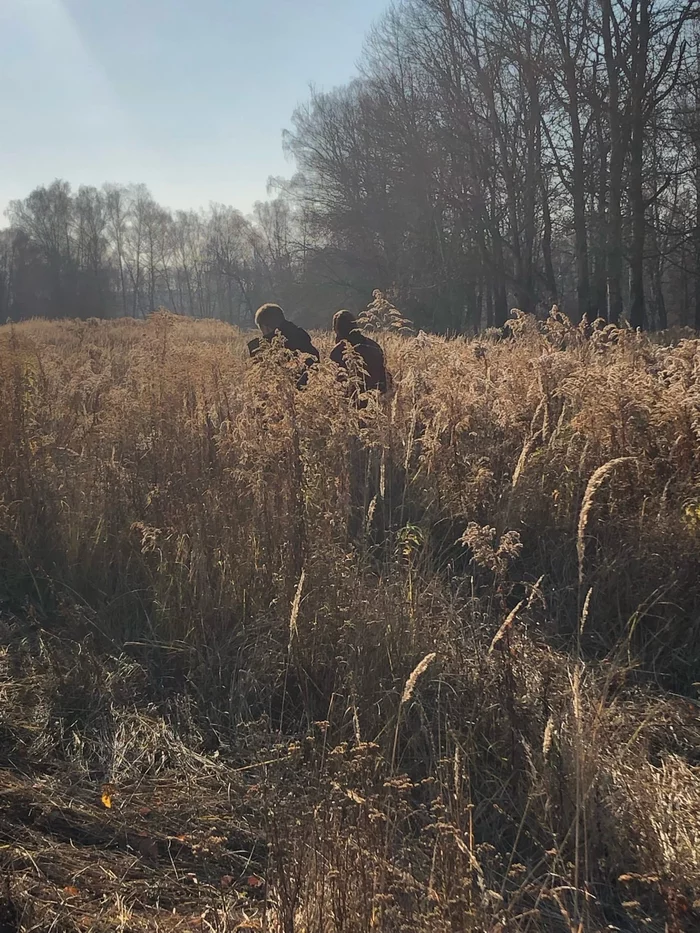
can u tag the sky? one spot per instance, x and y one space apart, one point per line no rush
189 97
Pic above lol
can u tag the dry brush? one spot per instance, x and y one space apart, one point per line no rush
435 661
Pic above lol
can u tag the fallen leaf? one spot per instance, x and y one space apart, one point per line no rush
108 792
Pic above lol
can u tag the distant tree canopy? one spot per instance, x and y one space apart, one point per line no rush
492 153
114 251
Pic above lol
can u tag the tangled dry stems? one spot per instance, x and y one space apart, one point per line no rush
217 592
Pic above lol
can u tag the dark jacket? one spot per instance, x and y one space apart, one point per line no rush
293 337
296 340
371 357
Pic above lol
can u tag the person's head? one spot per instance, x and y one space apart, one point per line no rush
269 318
344 323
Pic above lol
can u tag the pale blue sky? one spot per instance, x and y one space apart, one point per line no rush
188 96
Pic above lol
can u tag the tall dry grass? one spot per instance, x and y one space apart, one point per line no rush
454 642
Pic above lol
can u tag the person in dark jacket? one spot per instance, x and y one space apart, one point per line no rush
272 325
360 358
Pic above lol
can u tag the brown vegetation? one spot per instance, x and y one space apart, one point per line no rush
265 665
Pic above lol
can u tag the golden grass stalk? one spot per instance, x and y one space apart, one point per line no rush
416 674
408 691
529 445
548 737
536 593
371 510
594 484
585 611
296 604
507 625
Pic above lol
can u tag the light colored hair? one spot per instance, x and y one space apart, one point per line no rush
344 323
269 317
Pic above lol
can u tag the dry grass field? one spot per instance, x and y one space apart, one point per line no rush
268 665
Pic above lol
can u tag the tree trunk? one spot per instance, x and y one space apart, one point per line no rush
659 299
636 199
549 275
640 47
533 170
600 273
500 295
617 163
696 270
579 197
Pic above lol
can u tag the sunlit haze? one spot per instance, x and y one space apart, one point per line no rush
188 96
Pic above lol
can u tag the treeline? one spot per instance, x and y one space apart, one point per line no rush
517 151
115 251
492 153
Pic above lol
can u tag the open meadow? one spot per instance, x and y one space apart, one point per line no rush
268 663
